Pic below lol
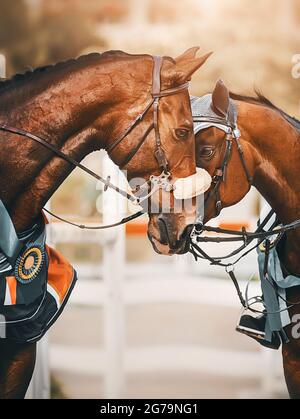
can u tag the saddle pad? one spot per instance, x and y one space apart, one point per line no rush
35 281
29 322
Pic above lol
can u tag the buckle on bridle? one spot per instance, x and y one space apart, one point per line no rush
218 175
236 133
218 207
272 242
162 181
161 159
197 229
158 182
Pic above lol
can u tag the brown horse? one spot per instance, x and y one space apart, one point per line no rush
81 106
271 144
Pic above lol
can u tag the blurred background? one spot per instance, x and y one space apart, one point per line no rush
140 325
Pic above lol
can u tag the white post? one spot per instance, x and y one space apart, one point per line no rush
114 260
2 66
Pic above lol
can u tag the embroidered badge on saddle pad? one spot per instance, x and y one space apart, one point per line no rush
29 264
35 282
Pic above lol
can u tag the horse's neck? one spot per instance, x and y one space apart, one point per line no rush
74 114
277 147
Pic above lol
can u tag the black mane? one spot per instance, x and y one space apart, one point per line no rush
260 99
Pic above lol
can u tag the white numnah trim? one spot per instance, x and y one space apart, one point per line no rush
7 301
54 294
189 187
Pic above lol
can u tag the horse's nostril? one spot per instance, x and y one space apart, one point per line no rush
168 235
164 237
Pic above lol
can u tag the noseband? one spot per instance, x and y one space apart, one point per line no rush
158 182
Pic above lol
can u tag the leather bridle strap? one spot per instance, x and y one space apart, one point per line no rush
137 120
242 157
134 151
159 153
244 235
156 85
98 227
219 177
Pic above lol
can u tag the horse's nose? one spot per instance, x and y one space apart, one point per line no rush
168 234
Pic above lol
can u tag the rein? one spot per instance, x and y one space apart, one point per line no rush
158 182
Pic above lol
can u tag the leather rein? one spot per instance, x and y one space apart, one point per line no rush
161 181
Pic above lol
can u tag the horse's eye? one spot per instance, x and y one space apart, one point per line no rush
207 152
182 133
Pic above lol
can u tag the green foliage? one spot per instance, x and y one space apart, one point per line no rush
14 23
64 36
30 42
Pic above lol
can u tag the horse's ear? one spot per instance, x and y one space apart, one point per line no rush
220 99
176 73
189 53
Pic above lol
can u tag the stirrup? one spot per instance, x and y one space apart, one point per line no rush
254 327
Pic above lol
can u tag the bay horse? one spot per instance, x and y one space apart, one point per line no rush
81 106
270 140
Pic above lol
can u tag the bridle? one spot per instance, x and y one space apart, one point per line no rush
262 235
155 182
232 135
